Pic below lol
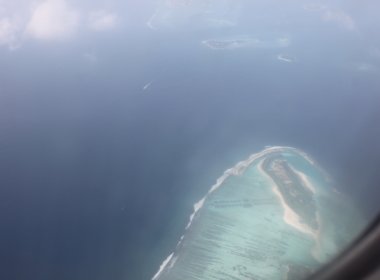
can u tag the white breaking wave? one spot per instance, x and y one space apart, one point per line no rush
163 265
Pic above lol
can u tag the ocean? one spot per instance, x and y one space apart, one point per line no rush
99 175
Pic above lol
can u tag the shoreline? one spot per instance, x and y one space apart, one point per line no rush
312 162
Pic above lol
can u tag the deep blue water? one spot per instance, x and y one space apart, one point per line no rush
99 176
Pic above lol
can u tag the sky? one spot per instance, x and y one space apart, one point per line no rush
111 130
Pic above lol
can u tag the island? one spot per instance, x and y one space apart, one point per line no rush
294 191
313 7
287 57
276 215
265 40
219 44
172 15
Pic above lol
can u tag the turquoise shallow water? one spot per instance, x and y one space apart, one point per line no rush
273 216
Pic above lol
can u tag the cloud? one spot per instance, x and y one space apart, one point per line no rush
52 20
341 17
8 32
90 57
101 21
48 20
374 52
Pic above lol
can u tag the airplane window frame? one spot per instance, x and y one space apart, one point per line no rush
360 260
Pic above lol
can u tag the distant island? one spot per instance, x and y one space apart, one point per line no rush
215 44
194 14
287 57
313 7
265 40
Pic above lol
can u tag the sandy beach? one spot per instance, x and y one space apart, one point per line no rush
290 217
304 179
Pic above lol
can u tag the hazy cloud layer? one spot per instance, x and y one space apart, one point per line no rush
90 57
101 20
8 33
343 18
